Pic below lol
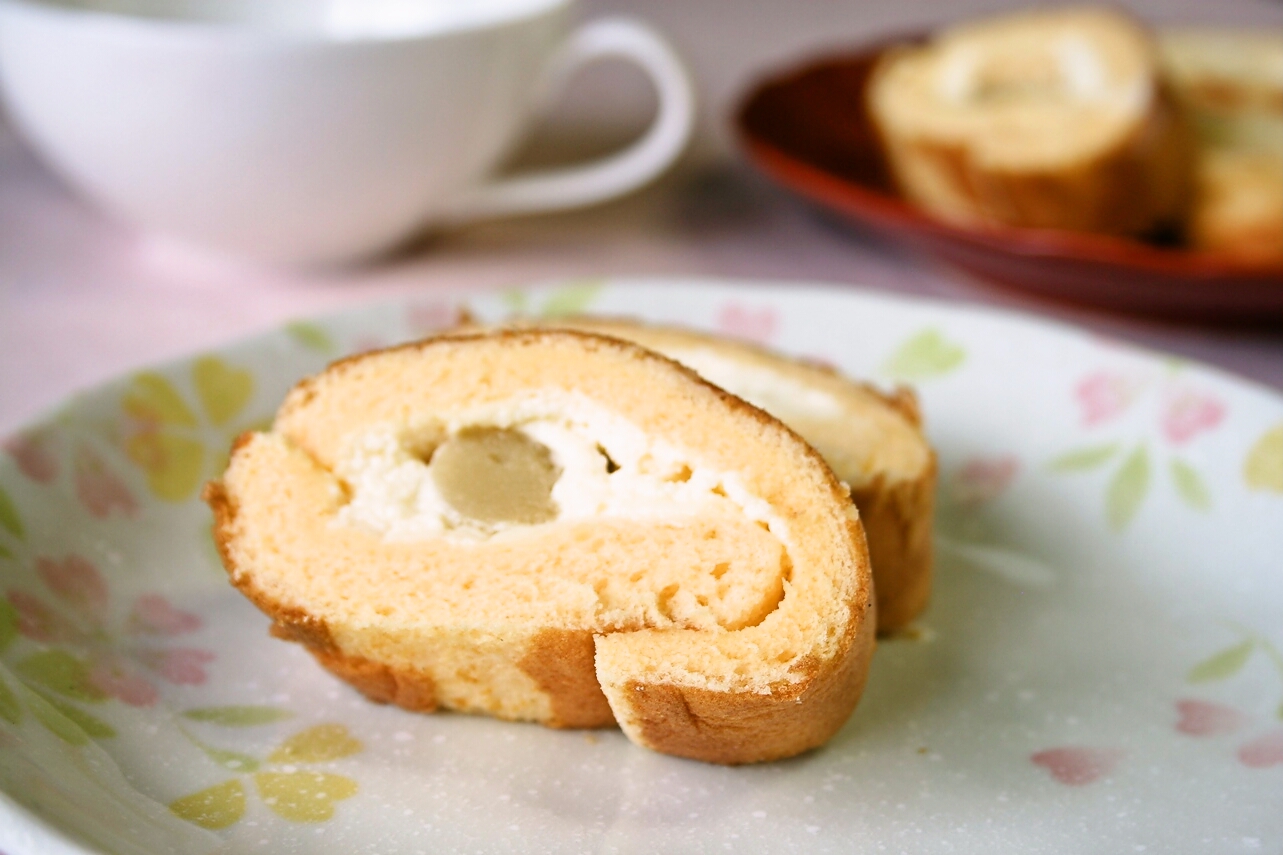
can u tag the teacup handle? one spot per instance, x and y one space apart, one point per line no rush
614 174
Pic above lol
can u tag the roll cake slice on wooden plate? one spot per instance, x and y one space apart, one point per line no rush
873 441
557 527
1049 118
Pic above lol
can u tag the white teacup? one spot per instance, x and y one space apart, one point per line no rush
316 131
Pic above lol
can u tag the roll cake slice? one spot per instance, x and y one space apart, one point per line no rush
1223 70
873 440
1049 118
1238 205
557 527
1229 84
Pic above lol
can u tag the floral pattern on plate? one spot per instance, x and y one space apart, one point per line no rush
1099 669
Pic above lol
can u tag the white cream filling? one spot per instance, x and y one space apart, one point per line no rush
1079 66
392 491
783 398
956 75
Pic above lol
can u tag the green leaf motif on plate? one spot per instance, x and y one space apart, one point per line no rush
70 724
8 624
10 521
311 336
88 724
1190 485
10 708
57 723
1223 664
317 745
238 716
1127 489
223 390
573 298
61 672
1081 459
219 806
924 356
1263 468
304 796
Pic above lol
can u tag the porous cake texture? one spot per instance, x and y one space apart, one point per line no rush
557 527
873 440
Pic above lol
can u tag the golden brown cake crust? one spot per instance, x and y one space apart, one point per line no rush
561 661
898 519
742 728
411 690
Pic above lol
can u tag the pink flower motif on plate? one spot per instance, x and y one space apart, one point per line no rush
1188 413
37 621
1204 718
99 489
1264 751
753 324
155 615
183 666
1077 766
981 479
79 617
114 677
77 583
1103 395
34 454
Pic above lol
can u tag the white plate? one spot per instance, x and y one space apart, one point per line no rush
1100 671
